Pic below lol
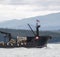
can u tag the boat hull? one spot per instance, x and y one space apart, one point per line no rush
30 42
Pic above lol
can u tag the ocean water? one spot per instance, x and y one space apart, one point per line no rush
52 50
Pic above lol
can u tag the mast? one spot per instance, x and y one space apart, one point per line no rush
37 27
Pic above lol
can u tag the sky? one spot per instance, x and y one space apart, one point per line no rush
19 9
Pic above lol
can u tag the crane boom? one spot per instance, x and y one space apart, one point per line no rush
7 34
31 29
